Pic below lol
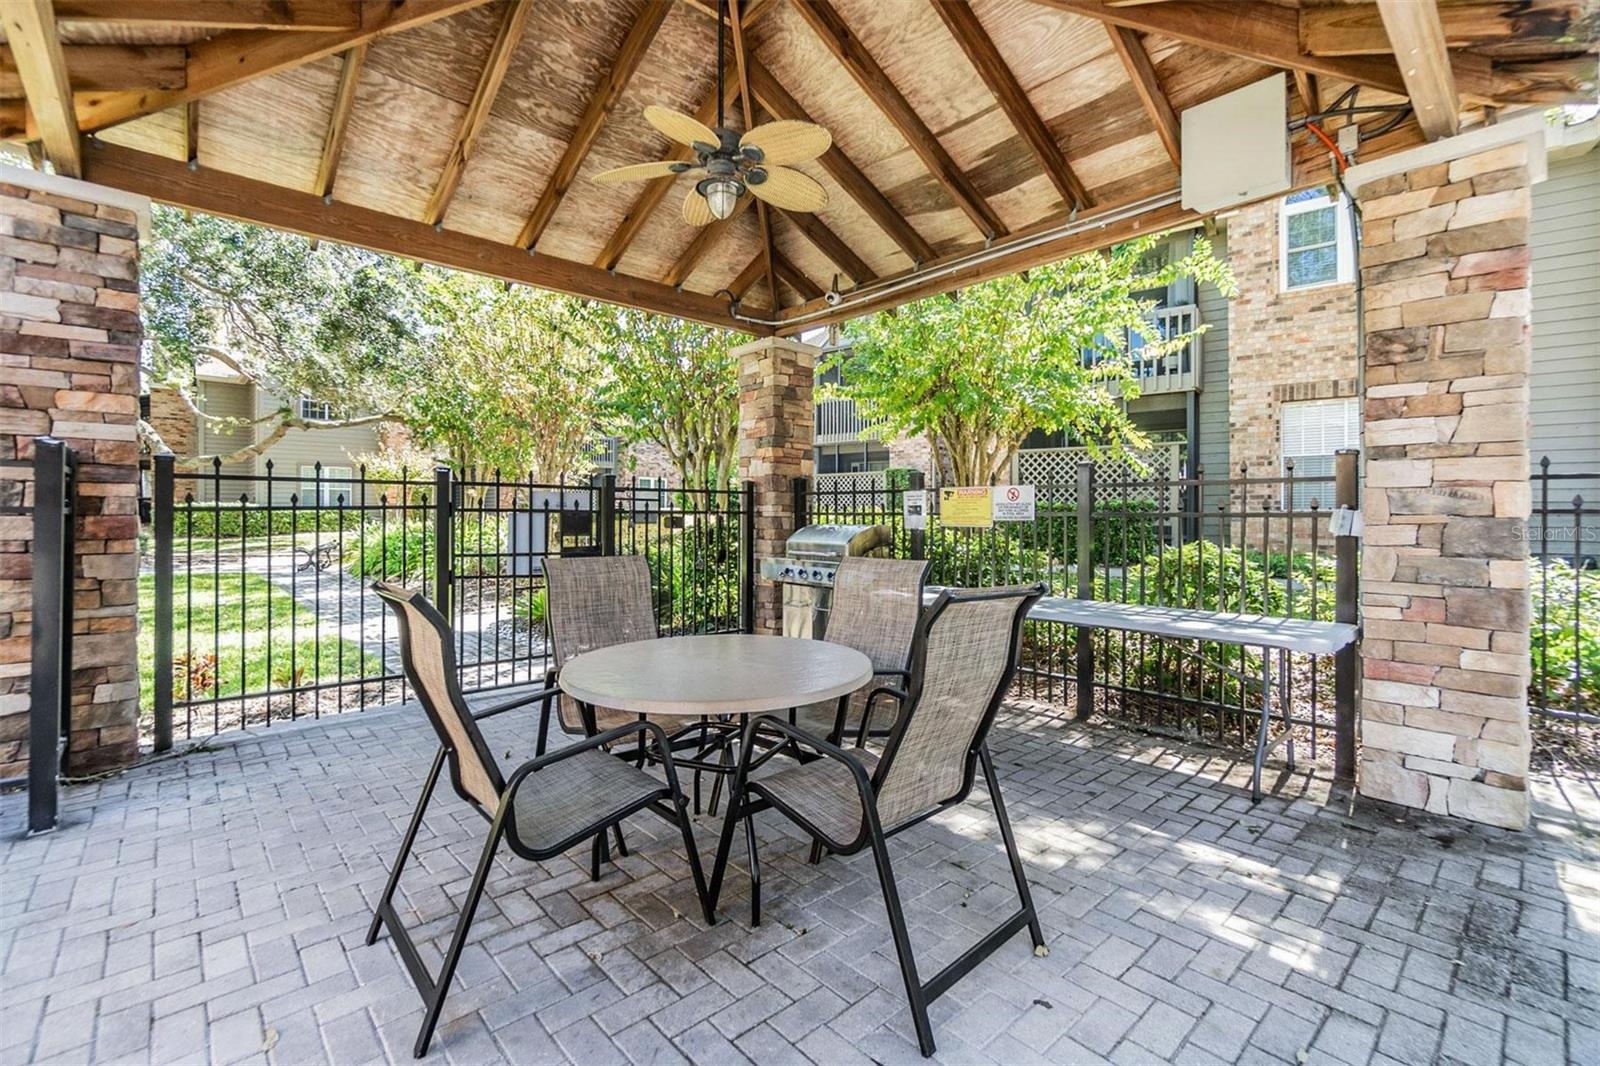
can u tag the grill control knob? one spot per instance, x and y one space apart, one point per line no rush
788 571
816 575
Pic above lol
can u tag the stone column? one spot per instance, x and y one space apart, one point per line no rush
69 367
776 427
1444 592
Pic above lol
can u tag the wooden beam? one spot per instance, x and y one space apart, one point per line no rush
874 81
222 14
965 27
780 104
1142 73
1306 85
646 202
795 278
1270 34
829 244
748 105
30 27
227 59
1419 48
231 196
191 133
94 67
1358 29
704 240
1087 237
747 277
753 9
601 103
477 113
344 100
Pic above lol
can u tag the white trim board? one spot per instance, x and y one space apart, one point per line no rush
1529 127
76 189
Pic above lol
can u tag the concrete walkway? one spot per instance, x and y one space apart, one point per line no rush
211 907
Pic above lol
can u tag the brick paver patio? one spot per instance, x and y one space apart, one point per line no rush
212 907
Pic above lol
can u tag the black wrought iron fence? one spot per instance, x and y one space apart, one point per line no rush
1564 542
1260 544
259 587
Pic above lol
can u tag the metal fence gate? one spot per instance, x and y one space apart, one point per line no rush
261 607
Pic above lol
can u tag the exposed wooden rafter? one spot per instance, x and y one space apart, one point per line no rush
748 106
96 67
477 113
832 245
30 27
645 203
1142 73
874 81
601 103
310 15
344 100
1419 48
704 240
778 102
753 9
963 23
1270 34
228 59
748 276
191 133
795 278
1358 29
231 196
1306 85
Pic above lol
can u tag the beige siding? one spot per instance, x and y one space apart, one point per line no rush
1213 427
230 400
301 449
1566 314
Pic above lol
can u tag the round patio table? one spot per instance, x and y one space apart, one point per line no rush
716 675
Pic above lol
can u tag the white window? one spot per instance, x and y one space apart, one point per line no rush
315 410
1310 431
1314 240
649 493
327 490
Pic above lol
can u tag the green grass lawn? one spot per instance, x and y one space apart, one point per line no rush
241 646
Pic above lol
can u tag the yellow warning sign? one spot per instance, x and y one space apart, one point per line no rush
972 507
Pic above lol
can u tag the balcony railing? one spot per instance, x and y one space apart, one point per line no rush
1177 371
838 422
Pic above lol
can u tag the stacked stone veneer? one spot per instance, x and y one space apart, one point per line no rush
1445 561
69 367
174 421
776 430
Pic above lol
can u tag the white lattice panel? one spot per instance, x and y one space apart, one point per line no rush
1054 472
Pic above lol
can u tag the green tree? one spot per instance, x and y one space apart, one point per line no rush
673 383
976 372
329 321
509 379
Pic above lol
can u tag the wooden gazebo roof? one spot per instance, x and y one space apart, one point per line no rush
969 141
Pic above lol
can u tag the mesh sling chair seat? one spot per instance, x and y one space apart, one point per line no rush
964 657
545 807
876 604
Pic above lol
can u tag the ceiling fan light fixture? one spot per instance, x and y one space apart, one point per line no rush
722 196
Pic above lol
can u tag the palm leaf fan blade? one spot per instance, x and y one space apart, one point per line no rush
696 212
788 141
685 129
790 190
637 172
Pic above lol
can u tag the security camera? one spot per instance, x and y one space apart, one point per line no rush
833 297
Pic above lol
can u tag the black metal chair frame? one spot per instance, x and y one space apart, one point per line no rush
747 798
668 802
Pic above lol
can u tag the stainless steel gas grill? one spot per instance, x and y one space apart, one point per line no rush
808 568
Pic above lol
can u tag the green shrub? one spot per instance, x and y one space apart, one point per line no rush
695 571
232 520
1566 635
402 550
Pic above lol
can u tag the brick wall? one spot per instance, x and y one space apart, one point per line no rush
776 429
174 421
646 459
69 367
1282 346
1444 717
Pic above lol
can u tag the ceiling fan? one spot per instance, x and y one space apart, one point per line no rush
732 163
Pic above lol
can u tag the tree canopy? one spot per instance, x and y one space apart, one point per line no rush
673 383
977 371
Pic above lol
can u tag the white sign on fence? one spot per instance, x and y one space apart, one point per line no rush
915 508
1014 503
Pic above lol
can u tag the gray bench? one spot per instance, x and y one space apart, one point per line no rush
1281 635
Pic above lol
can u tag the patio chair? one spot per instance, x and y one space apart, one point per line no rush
876 604
547 805
963 659
593 602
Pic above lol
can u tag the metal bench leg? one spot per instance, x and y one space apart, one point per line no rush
1284 702
1266 725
